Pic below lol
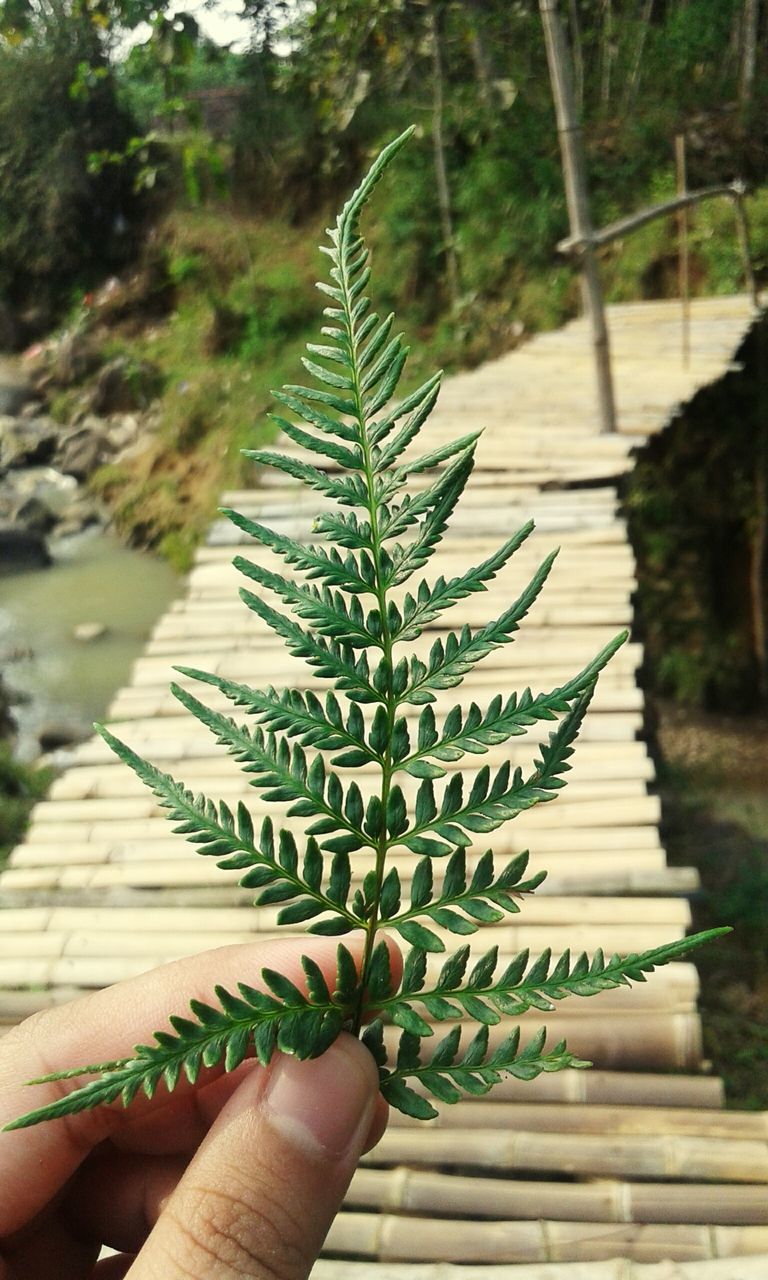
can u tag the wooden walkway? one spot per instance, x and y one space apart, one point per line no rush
544 1181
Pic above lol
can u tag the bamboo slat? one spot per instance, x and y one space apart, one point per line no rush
426 1192
754 1268
390 1239
662 1156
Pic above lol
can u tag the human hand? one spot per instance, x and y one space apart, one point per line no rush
239 1175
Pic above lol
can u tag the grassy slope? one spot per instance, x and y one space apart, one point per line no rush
258 275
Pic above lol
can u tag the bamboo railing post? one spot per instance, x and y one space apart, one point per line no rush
742 230
574 172
682 230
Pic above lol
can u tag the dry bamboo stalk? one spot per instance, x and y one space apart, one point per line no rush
543 911
423 1192
588 1155
391 1238
754 1268
635 810
597 1119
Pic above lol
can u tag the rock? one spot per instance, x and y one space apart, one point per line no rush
25 443
124 384
56 491
33 515
84 449
123 430
73 358
87 632
81 515
22 549
14 394
54 735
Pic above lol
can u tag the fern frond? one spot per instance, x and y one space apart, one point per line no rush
298 715
326 610
495 799
349 491
475 1073
331 660
430 602
475 731
216 832
525 984
459 906
257 1022
282 772
314 561
451 659
379 533
312 416
417 407
436 504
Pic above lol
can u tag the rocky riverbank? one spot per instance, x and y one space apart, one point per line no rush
45 465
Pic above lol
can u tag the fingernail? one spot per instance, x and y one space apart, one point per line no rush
324 1106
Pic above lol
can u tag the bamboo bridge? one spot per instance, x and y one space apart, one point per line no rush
633 1171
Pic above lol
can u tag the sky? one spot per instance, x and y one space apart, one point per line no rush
219 19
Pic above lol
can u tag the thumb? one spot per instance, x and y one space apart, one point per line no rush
260 1194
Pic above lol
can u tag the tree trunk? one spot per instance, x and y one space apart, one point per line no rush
481 55
637 62
578 54
441 171
748 51
606 59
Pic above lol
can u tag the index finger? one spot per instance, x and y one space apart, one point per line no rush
35 1163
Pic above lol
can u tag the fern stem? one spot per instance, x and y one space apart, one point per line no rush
389 696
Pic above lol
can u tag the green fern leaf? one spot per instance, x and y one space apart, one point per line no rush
381 518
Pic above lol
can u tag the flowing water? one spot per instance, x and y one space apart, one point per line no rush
62 680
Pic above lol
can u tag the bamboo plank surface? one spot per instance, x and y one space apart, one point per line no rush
626 1172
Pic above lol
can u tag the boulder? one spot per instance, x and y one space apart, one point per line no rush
81 515
124 384
32 514
84 449
22 549
26 442
55 491
72 358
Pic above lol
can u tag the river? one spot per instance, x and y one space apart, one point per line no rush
63 681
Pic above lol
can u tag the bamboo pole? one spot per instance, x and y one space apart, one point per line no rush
657 1157
753 1268
574 172
428 1192
622 226
391 1238
684 264
742 231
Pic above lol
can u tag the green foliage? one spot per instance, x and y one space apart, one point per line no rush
696 508
57 217
274 305
346 622
20 786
